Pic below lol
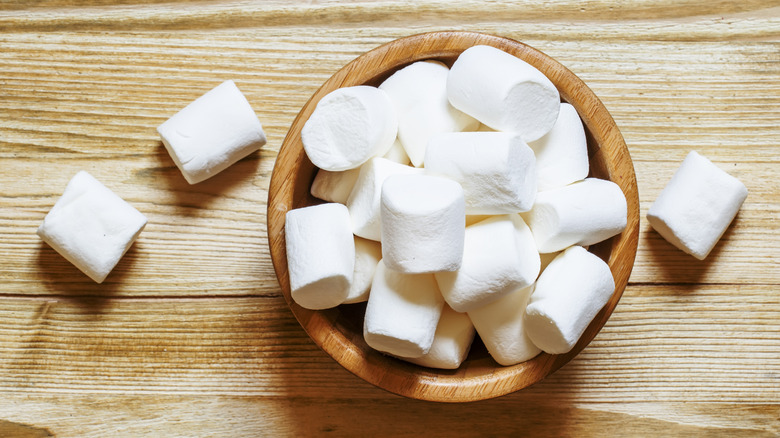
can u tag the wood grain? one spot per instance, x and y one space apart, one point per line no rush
691 349
254 346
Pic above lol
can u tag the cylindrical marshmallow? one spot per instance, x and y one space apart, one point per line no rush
562 154
503 92
403 312
582 213
423 223
451 342
348 127
320 255
500 326
499 256
419 93
364 199
697 206
211 133
334 186
368 253
91 226
496 169
568 294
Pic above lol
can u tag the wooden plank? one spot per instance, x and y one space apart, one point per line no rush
178 416
690 20
84 106
686 343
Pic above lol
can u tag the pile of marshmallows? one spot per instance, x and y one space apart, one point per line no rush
484 231
457 201
92 227
451 244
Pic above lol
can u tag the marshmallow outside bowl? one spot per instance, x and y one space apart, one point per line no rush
338 331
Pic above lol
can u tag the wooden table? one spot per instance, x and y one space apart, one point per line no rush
190 336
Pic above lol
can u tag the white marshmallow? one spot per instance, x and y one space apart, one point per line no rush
334 186
423 223
451 342
364 200
562 154
211 133
320 255
419 93
368 253
568 294
91 226
697 206
397 153
503 92
582 213
499 256
500 326
348 127
402 313
496 169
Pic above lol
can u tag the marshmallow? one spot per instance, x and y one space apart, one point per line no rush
562 154
503 92
568 294
423 223
403 312
320 255
500 326
211 133
368 253
419 93
582 213
334 186
496 169
697 206
91 226
364 200
397 153
451 342
499 256
348 127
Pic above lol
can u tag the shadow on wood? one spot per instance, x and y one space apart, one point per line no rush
64 279
18 430
191 198
676 266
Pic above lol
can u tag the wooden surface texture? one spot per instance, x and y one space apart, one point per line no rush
190 335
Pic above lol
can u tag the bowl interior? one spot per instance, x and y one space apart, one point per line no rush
338 331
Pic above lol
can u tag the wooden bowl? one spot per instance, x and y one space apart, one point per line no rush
338 331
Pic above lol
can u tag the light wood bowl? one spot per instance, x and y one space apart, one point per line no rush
338 331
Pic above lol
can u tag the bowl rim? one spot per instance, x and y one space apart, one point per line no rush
466 383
